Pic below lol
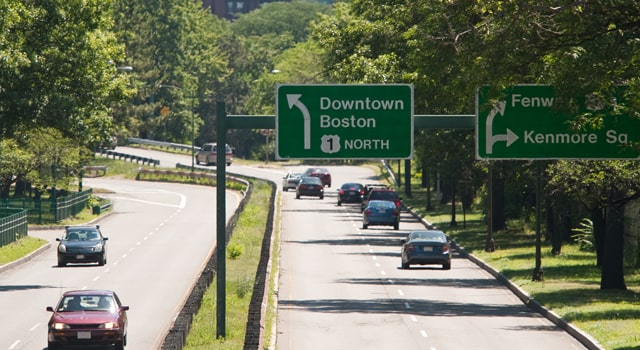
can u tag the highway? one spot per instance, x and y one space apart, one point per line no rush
339 286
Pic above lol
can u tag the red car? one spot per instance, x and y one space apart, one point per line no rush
322 173
86 318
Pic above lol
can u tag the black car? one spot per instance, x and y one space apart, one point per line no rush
310 186
82 244
350 192
382 194
425 248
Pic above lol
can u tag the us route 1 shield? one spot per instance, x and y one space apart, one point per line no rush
344 121
525 122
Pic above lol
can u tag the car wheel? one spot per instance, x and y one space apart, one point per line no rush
321 196
285 189
52 346
120 345
405 266
396 227
61 263
365 226
339 203
446 266
297 196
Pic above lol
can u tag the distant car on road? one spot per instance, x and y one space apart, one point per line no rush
321 173
208 154
350 192
87 318
290 181
82 244
381 213
426 247
310 186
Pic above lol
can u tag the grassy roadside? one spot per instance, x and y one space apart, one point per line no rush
571 285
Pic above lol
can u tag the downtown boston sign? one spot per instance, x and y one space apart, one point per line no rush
525 123
362 121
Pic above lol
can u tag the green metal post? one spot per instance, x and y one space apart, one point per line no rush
221 227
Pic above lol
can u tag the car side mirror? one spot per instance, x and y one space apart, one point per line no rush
59 239
403 241
105 238
124 307
50 308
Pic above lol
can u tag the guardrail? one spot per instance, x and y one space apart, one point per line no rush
161 144
129 157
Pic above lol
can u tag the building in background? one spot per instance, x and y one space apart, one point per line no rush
230 8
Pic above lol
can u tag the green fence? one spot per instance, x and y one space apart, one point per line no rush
50 210
13 225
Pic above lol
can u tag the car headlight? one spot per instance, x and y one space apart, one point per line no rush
108 325
62 248
97 248
59 326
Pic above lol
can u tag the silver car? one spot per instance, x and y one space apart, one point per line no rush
208 154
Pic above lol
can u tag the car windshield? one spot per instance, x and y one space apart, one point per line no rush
428 236
311 180
73 303
82 235
348 186
384 194
381 205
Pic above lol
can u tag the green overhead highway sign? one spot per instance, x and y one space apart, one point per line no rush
525 124
344 121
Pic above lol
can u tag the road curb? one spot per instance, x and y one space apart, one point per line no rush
584 338
23 260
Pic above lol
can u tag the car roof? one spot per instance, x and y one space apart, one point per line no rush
82 227
88 292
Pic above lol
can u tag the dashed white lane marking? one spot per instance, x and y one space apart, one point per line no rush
15 343
424 334
400 292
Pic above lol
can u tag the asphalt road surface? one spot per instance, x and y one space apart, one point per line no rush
160 236
340 286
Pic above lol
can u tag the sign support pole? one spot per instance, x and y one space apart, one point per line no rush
221 219
537 272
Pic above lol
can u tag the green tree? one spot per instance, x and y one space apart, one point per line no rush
60 68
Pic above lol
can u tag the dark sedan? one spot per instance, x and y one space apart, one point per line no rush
426 247
82 244
322 173
382 213
310 186
86 318
350 192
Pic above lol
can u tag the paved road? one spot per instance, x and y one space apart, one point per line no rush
160 236
341 286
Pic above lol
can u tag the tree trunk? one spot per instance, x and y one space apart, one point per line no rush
498 217
613 262
599 230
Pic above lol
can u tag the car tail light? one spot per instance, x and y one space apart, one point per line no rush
341 192
409 248
445 248
397 201
367 212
